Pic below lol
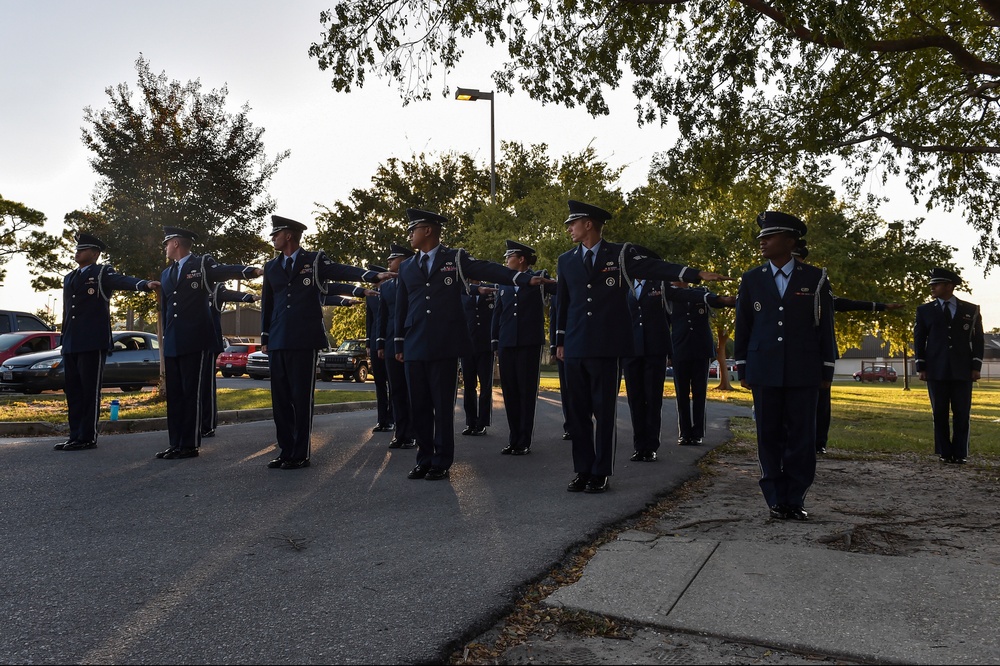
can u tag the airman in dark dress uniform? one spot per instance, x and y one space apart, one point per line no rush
519 332
431 334
383 406
292 333
86 336
403 437
785 350
689 312
189 335
220 295
594 332
477 368
948 345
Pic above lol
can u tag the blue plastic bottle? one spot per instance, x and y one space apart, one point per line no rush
114 410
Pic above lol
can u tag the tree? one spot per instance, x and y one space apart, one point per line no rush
20 233
886 87
176 157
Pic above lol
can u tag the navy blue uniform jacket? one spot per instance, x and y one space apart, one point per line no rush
386 321
593 315
479 317
291 313
86 313
948 352
785 341
519 317
690 322
185 309
430 319
650 333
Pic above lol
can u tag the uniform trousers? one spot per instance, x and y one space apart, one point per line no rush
691 389
477 395
644 377
293 387
209 399
383 407
591 395
786 441
400 397
84 371
185 378
433 387
953 399
519 372
561 369
823 416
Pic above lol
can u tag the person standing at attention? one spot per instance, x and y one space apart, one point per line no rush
948 344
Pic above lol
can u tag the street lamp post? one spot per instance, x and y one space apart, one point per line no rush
471 95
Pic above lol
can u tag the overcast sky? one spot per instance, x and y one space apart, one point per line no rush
59 56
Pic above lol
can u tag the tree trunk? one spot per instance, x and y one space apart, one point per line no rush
720 356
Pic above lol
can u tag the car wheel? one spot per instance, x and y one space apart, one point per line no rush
361 374
881 380
237 374
856 378
227 375
257 377
326 377
130 388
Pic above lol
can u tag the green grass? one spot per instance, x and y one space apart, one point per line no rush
51 407
879 418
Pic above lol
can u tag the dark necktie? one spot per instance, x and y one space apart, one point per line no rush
74 281
172 276
423 265
947 311
588 261
288 266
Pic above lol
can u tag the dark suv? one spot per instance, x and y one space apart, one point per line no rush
13 320
350 360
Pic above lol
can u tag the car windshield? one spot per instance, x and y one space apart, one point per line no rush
10 340
349 346
237 349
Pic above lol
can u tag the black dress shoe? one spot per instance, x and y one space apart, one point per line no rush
276 463
780 512
409 444
597 484
686 441
208 433
418 472
797 513
636 456
468 430
394 443
63 445
521 451
565 436
295 464
79 446
821 450
478 432
178 454
507 450
649 456
382 427
578 484
164 454
436 474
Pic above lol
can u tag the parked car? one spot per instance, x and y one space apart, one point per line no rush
27 342
713 369
875 373
258 366
349 360
12 321
133 363
233 361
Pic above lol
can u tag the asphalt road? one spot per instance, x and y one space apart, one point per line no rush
112 556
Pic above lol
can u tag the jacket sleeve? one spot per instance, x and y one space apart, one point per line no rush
216 272
637 265
744 328
266 307
402 306
381 324
849 305
828 338
978 342
111 280
920 331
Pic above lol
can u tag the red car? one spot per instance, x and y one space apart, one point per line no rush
27 342
233 361
875 373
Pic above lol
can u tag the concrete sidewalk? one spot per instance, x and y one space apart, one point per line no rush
863 608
